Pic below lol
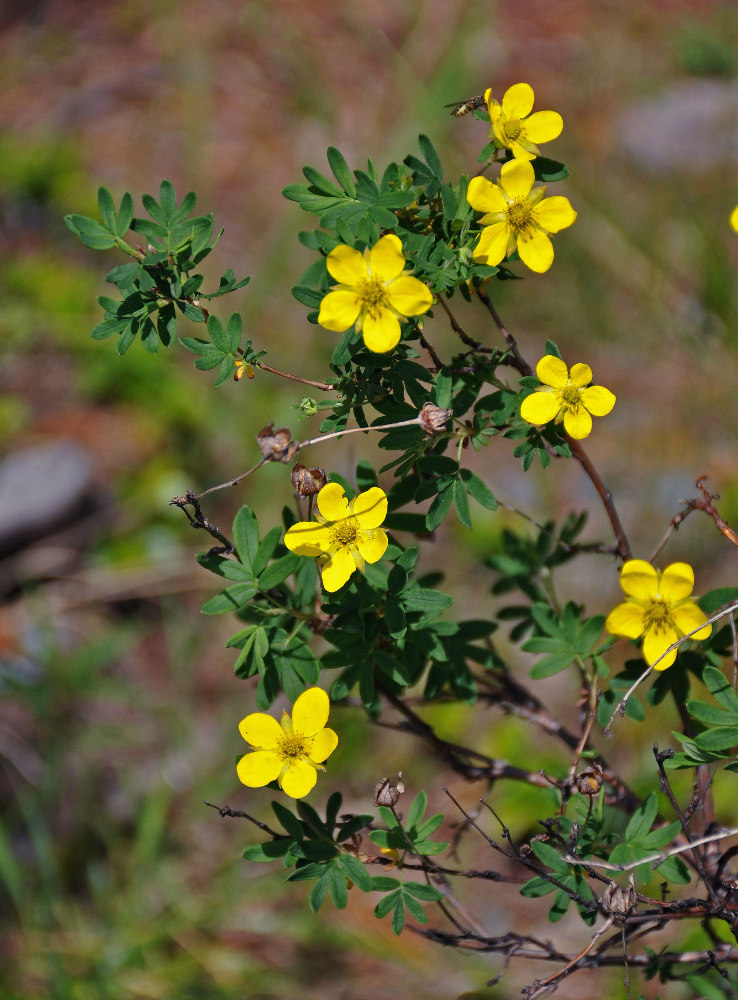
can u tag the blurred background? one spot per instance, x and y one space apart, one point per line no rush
118 704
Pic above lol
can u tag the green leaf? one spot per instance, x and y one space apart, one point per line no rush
461 503
106 208
420 890
90 232
356 871
341 171
417 809
549 856
431 156
229 600
246 536
642 819
719 738
479 490
125 215
439 508
278 571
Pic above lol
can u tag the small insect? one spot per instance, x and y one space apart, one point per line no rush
462 108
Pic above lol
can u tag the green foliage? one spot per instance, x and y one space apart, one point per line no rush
390 632
158 282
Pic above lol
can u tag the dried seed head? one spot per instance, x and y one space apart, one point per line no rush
590 781
433 419
308 482
276 446
387 794
618 899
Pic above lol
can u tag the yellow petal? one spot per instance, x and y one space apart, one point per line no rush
536 252
308 538
383 333
540 407
580 375
734 218
577 423
484 196
518 100
639 579
598 400
655 643
339 310
372 544
370 507
332 502
626 620
346 265
543 126
552 371
492 245
259 768
677 581
298 779
409 296
260 730
553 214
689 617
386 259
324 743
516 178
337 570
310 711
521 151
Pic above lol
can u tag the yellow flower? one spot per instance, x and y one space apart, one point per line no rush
291 752
517 216
242 368
658 607
345 535
373 293
734 218
515 128
566 397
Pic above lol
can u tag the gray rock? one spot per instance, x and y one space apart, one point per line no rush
42 489
690 128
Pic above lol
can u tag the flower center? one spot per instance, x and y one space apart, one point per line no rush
513 129
345 532
657 615
293 747
570 397
518 216
373 295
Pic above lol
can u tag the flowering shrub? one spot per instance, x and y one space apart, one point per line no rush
330 606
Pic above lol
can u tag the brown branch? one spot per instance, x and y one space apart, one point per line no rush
517 359
706 505
198 520
622 543
295 378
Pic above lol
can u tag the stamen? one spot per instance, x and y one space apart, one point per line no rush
293 747
518 217
345 532
373 295
657 615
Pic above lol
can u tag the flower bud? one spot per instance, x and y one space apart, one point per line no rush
433 419
308 406
276 446
308 482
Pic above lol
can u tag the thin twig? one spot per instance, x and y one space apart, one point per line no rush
296 378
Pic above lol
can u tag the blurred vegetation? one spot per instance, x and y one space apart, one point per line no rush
118 707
